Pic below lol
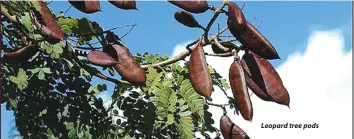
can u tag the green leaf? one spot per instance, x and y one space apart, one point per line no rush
13 79
35 70
170 119
57 48
26 21
211 69
69 126
171 109
186 113
46 70
183 108
72 133
173 99
41 75
185 128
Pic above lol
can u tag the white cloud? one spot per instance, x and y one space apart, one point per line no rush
319 83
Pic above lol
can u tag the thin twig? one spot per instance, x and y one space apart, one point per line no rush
212 20
227 41
106 31
67 9
227 54
128 31
49 2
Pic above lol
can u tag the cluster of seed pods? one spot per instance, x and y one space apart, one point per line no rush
252 71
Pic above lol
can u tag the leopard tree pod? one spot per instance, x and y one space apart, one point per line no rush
193 6
86 6
186 19
254 41
44 21
20 55
255 88
266 77
240 91
128 68
229 130
199 72
100 58
124 4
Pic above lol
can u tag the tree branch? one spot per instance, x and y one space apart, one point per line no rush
227 54
12 18
212 20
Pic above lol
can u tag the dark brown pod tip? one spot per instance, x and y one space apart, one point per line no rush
124 4
128 67
20 55
257 43
237 18
101 59
186 19
229 130
45 22
266 77
193 6
86 6
199 72
240 91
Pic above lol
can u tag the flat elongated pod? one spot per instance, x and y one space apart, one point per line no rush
232 29
21 54
124 4
199 72
128 68
236 16
229 130
256 89
101 59
266 77
186 19
193 6
86 6
240 91
253 40
44 21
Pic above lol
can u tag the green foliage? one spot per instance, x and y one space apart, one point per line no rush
53 96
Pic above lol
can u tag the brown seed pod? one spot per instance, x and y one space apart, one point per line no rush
86 6
229 130
101 59
20 55
199 72
239 89
255 88
266 77
124 4
253 40
193 6
186 19
45 22
232 29
128 68
236 16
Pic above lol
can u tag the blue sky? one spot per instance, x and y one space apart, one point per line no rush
286 24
